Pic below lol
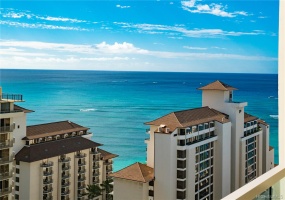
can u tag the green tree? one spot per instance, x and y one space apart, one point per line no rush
107 187
93 191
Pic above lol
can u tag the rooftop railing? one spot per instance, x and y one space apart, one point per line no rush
14 97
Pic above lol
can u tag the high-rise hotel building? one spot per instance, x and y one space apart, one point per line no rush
47 161
203 153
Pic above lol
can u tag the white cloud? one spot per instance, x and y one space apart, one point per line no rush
195 48
120 6
213 9
181 31
42 26
12 13
262 17
61 19
96 51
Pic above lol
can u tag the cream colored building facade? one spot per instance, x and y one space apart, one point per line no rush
202 153
47 161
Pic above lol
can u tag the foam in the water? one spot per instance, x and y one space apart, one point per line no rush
87 110
274 116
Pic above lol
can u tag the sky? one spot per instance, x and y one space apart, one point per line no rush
238 36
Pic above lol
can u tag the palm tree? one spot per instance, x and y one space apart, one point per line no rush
93 191
107 187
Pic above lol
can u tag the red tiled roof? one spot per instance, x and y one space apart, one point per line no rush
51 129
262 122
105 155
189 117
136 172
248 117
16 107
54 148
217 85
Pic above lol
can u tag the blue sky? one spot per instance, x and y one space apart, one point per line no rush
192 36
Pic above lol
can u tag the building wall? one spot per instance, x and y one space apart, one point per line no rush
31 177
219 100
19 119
165 163
130 190
150 147
222 164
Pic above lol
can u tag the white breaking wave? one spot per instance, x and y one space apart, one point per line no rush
274 116
87 110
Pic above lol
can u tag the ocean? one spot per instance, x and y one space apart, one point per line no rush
115 104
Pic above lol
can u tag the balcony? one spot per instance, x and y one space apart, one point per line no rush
65 167
109 168
96 166
65 176
47 190
93 151
48 173
65 184
11 97
48 198
80 155
5 160
64 159
6 175
10 128
82 186
109 162
81 171
47 164
6 144
65 192
81 178
9 111
5 191
47 181
96 181
96 157
95 173
82 163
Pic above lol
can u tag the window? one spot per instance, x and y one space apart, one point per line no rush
17 171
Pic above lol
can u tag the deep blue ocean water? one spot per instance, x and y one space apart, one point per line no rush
115 105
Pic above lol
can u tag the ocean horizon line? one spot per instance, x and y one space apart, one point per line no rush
140 71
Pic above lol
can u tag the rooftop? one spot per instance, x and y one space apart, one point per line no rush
217 85
189 117
51 129
19 108
55 148
105 155
248 117
136 172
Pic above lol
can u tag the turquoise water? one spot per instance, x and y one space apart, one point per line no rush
114 105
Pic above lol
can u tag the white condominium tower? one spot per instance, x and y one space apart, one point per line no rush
203 153
47 161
